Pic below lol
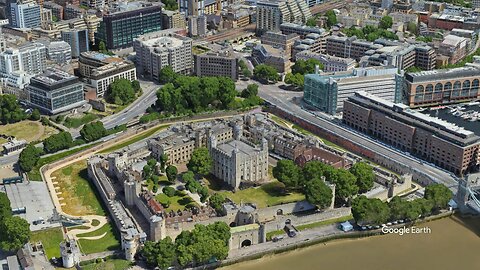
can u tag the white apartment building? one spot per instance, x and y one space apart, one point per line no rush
157 50
272 13
103 76
30 58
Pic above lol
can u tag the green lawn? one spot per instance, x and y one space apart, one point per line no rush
266 195
50 239
280 121
80 196
114 264
34 174
108 242
177 202
27 130
79 227
74 122
135 139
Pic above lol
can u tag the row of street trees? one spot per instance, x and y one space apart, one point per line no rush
375 212
191 248
348 183
14 230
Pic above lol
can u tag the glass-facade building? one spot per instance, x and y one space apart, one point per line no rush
119 29
327 92
55 91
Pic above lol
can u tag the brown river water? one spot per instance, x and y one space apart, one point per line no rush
452 244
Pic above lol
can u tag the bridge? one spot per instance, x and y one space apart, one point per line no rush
468 194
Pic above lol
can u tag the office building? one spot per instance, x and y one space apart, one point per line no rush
200 7
221 63
100 70
57 10
280 40
442 86
157 50
127 21
77 39
29 58
55 91
25 15
271 14
327 92
59 52
455 48
302 30
72 12
275 57
197 26
436 141
173 19
330 63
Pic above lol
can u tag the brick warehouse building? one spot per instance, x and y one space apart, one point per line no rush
434 87
439 142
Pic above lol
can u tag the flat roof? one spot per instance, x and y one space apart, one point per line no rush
240 146
442 74
244 228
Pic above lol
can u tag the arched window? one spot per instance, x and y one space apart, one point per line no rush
419 89
448 86
438 87
429 88
457 85
466 85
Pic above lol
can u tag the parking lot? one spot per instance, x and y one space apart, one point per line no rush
35 198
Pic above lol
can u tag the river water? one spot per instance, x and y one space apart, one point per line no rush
452 244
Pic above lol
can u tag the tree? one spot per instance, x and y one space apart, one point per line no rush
136 86
102 47
439 194
330 174
200 162
216 202
250 91
203 192
364 174
312 22
296 80
29 157
163 161
147 171
306 66
312 170
57 142
170 4
346 185
246 73
398 208
10 110
386 22
120 92
5 207
188 176
369 211
35 116
93 131
266 73
318 193
167 75
160 254
412 28
171 173
169 191
331 18
425 206
288 173
14 233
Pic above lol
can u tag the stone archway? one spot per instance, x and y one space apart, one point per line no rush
246 243
233 224
279 212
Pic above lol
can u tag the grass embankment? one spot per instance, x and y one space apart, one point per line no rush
34 174
177 202
269 194
108 242
27 130
51 239
80 197
76 122
135 139
113 264
272 234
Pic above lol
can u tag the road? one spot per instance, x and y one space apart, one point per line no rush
285 101
136 109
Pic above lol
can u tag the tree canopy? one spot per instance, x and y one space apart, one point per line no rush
35 116
167 75
122 91
439 195
364 174
288 173
10 110
160 254
171 172
57 142
29 157
306 66
200 162
346 185
312 22
331 18
318 193
170 4
93 131
370 211
216 202
266 73
370 33
386 22
14 230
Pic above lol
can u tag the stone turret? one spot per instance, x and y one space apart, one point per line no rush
237 131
